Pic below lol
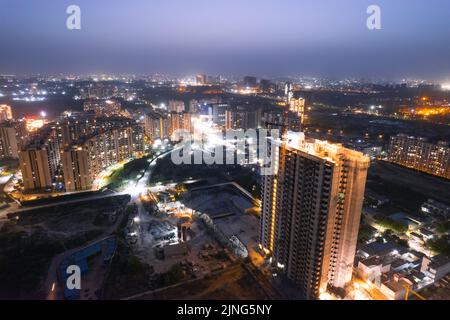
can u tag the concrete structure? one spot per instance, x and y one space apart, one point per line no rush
419 154
436 268
5 112
177 106
201 79
311 213
84 161
8 141
242 118
433 208
297 105
39 160
216 113
156 126
179 122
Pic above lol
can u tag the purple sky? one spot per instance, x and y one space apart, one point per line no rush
261 37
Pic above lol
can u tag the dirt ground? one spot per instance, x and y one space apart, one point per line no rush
429 186
233 283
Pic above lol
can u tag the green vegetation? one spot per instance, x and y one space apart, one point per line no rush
129 171
443 226
440 245
365 232
173 276
128 275
388 223
390 235
24 260
166 171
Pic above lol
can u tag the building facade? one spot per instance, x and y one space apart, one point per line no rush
8 141
39 161
421 155
5 112
83 162
243 119
311 209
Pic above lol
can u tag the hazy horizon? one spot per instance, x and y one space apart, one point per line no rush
269 38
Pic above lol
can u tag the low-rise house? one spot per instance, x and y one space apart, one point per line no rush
436 268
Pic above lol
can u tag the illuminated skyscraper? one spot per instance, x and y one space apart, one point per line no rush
201 79
311 213
8 141
39 160
176 106
156 126
179 122
5 112
289 92
82 162
297 105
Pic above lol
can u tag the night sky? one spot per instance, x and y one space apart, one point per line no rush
260 37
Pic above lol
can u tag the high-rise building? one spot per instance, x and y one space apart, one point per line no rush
83 161
297 105
39 160
179 122
201 79
265 85
311 213
22 133
77 174
156 126
419 154
8 141
289 92
5 112
216 113
245 119
176 106
250 81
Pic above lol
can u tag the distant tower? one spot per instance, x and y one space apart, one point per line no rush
311 213
289 92
297 105
201 79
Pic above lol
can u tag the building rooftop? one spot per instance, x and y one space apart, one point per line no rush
439 261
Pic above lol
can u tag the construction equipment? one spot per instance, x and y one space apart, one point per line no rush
409 290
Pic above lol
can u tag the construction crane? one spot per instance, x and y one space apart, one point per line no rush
409 290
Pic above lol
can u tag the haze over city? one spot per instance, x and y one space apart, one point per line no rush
265 38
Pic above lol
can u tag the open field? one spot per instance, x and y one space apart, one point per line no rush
406 188
233 283
31 239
